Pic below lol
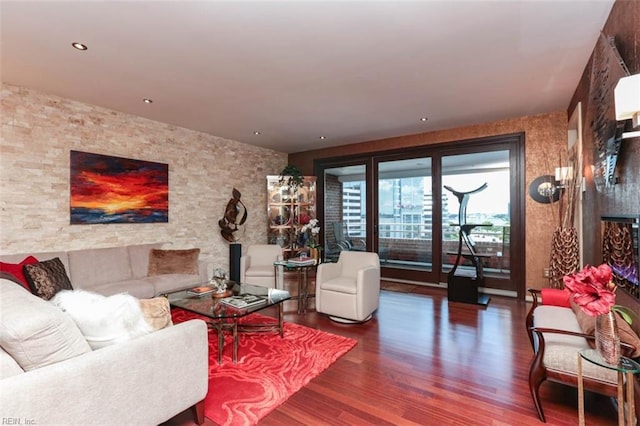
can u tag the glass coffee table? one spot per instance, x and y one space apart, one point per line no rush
224 313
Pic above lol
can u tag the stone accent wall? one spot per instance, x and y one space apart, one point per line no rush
38 132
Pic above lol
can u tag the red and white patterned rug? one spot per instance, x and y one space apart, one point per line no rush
269 370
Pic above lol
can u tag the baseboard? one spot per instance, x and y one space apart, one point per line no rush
492 291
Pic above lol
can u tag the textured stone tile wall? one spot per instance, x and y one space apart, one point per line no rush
39 131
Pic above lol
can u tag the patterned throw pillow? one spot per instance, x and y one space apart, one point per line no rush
47 278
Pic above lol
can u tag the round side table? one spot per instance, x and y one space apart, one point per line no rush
626 369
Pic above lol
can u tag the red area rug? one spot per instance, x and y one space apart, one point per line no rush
269 370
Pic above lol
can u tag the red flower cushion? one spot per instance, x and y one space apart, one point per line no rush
14 271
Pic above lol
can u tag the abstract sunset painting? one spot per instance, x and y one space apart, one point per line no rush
106 189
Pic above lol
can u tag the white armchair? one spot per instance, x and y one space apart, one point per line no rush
256 265
349 290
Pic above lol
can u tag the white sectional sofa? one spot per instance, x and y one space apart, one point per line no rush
115 270
50 376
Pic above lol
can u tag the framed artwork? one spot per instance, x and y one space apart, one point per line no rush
107 189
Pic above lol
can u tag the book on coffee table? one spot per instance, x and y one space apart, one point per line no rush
200 291
243 300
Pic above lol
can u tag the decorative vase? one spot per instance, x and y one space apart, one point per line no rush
565 255
608 338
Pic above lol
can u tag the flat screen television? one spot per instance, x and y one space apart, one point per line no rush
620 235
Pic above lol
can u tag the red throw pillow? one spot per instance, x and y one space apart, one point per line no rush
14 271
556 297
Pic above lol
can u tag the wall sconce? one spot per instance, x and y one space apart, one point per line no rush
545 189
563 175
627 102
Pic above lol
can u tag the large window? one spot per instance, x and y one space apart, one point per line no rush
489 206
405 213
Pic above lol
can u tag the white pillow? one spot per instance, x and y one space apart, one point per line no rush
35 333
103 320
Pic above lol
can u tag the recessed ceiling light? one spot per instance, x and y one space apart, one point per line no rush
322 137
79 46
256 133
147 101
424 119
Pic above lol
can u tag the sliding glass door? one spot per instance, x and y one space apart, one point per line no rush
489 208
404 222
396 205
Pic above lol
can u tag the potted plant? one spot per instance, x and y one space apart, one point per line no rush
292 176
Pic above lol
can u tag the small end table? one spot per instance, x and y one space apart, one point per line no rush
626 369
303 281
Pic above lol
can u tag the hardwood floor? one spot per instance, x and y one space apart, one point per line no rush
422 360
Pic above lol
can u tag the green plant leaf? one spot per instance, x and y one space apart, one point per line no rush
626 313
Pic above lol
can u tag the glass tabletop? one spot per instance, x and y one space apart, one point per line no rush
227 307
626 365
293 264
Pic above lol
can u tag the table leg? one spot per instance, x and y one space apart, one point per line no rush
235 340
631 404
299 291
580 393
280 320
620 398
218 328
305 290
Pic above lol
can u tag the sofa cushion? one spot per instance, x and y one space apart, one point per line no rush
34 332
46 278
173 262
14 271
168 283
137 288
103 320
47 255
91 267
139 258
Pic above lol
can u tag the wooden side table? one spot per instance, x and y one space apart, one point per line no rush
626 369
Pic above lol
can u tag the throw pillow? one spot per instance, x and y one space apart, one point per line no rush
156 312
34 332
173 262
556 297
588 326
103 320
47 278
14 272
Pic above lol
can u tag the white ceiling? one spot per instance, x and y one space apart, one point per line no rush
295 71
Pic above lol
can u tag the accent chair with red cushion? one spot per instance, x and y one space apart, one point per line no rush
556 336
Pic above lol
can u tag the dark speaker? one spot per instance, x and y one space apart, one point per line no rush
235 251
